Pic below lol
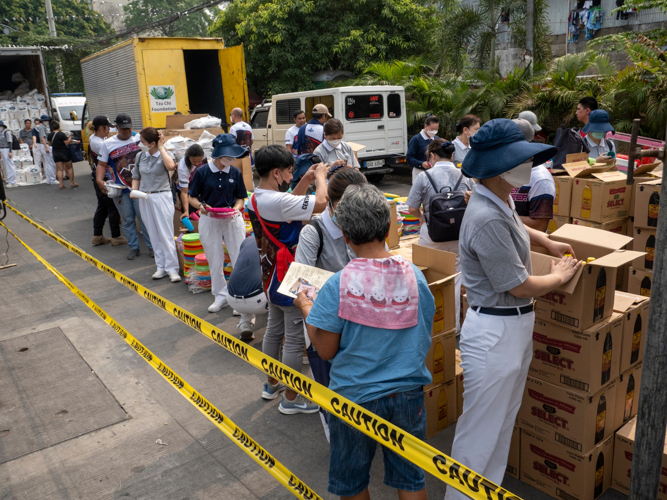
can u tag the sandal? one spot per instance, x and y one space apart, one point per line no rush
74 185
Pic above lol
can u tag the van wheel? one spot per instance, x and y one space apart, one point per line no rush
375 178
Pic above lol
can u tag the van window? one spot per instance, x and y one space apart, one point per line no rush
260 119
285 109
327 100
394 105
364 107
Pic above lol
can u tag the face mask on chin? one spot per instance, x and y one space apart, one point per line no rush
519 175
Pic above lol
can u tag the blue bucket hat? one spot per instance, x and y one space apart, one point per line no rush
2 124
44 118
225 145
598 121
499 146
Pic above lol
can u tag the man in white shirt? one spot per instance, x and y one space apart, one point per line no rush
241 131
293 132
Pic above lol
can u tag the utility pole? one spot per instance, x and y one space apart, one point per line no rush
530 21
652 411
52 31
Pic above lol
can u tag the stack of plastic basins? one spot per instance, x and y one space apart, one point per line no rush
191 248
227 266
202 272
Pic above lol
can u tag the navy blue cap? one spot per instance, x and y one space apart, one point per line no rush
499 146
44 118
598 121
2 124
225 145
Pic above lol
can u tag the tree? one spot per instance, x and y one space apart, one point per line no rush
287 41
642 5
139 12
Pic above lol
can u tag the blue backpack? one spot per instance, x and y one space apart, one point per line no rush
301 166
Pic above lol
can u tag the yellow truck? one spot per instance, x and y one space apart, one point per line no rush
151 78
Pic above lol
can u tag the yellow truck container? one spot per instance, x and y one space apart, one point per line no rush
151 78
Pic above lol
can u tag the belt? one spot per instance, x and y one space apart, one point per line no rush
504 311
154 192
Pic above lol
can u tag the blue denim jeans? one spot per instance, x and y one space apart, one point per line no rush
351 452
128 209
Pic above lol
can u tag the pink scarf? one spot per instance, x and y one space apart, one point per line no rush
381 293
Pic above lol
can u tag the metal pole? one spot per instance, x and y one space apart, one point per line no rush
52 31
633 153
652 411
530 21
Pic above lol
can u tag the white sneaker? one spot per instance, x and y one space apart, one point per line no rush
246 331
160 274
236 313
11 185
175 277
217 305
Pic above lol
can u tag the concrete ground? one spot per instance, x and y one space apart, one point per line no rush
122 460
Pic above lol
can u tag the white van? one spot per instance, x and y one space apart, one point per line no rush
67 109
373 116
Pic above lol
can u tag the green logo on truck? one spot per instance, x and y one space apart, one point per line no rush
162 93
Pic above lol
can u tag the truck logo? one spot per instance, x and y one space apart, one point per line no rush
162 93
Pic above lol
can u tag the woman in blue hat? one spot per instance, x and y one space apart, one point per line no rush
220 185
596 130
497 335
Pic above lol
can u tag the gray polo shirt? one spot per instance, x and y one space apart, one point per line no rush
335 253
26 136
604 147
329 154
444 174
152 173
494 250
41 129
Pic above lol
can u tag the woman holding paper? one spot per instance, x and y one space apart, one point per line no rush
497 335
150 184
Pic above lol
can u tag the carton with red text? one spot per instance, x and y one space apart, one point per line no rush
562 472
627 395
514 458
585 361
602 197
572 418
634 310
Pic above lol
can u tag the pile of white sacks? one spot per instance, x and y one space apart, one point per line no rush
21 104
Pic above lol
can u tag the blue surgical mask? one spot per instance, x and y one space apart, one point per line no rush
598 135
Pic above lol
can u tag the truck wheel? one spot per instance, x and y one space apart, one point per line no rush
375 178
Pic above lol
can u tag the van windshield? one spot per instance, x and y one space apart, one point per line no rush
65 112
364 107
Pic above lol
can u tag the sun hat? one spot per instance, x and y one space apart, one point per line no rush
499 146
598 121
322 109
526 128
531 118
2 124
44 118
225 145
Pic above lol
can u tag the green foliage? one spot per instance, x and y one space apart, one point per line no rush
287 41
643 5
139 12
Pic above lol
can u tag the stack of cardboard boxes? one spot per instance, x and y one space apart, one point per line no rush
440 397
644 225
585 370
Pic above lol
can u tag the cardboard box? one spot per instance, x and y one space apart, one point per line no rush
514 458
602 197
440 404
623 450
563 198
644 241
191 133
572 418
557 222
439 270
631 227
440 359
645 206
640 281
179 121
561 472
585 361
393 239
618 226
634 310
627 395
459 389
245 166
588 297
637 180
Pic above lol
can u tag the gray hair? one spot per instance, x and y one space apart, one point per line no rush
363 214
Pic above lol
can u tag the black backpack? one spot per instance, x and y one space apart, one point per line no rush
445 212
568 141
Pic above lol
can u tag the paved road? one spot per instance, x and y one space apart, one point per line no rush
122 460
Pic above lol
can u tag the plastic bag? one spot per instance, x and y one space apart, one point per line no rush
17 77
206 140
205 122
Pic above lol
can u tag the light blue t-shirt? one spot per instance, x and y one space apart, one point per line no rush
372 363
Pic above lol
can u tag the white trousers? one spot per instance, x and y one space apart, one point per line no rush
251 304
448 246
49 164
37 157
8 166
157 213
495 356
212 234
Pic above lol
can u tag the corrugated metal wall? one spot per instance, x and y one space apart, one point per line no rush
111 85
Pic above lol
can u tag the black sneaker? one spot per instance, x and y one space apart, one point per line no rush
133 254
151 254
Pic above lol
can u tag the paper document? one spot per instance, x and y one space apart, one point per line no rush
301 277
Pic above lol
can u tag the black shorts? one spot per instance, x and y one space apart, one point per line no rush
61 155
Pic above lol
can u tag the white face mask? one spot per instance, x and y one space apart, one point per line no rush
334 143
519 175
431 133
143 147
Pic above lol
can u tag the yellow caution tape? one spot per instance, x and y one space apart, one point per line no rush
219 419
394 438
